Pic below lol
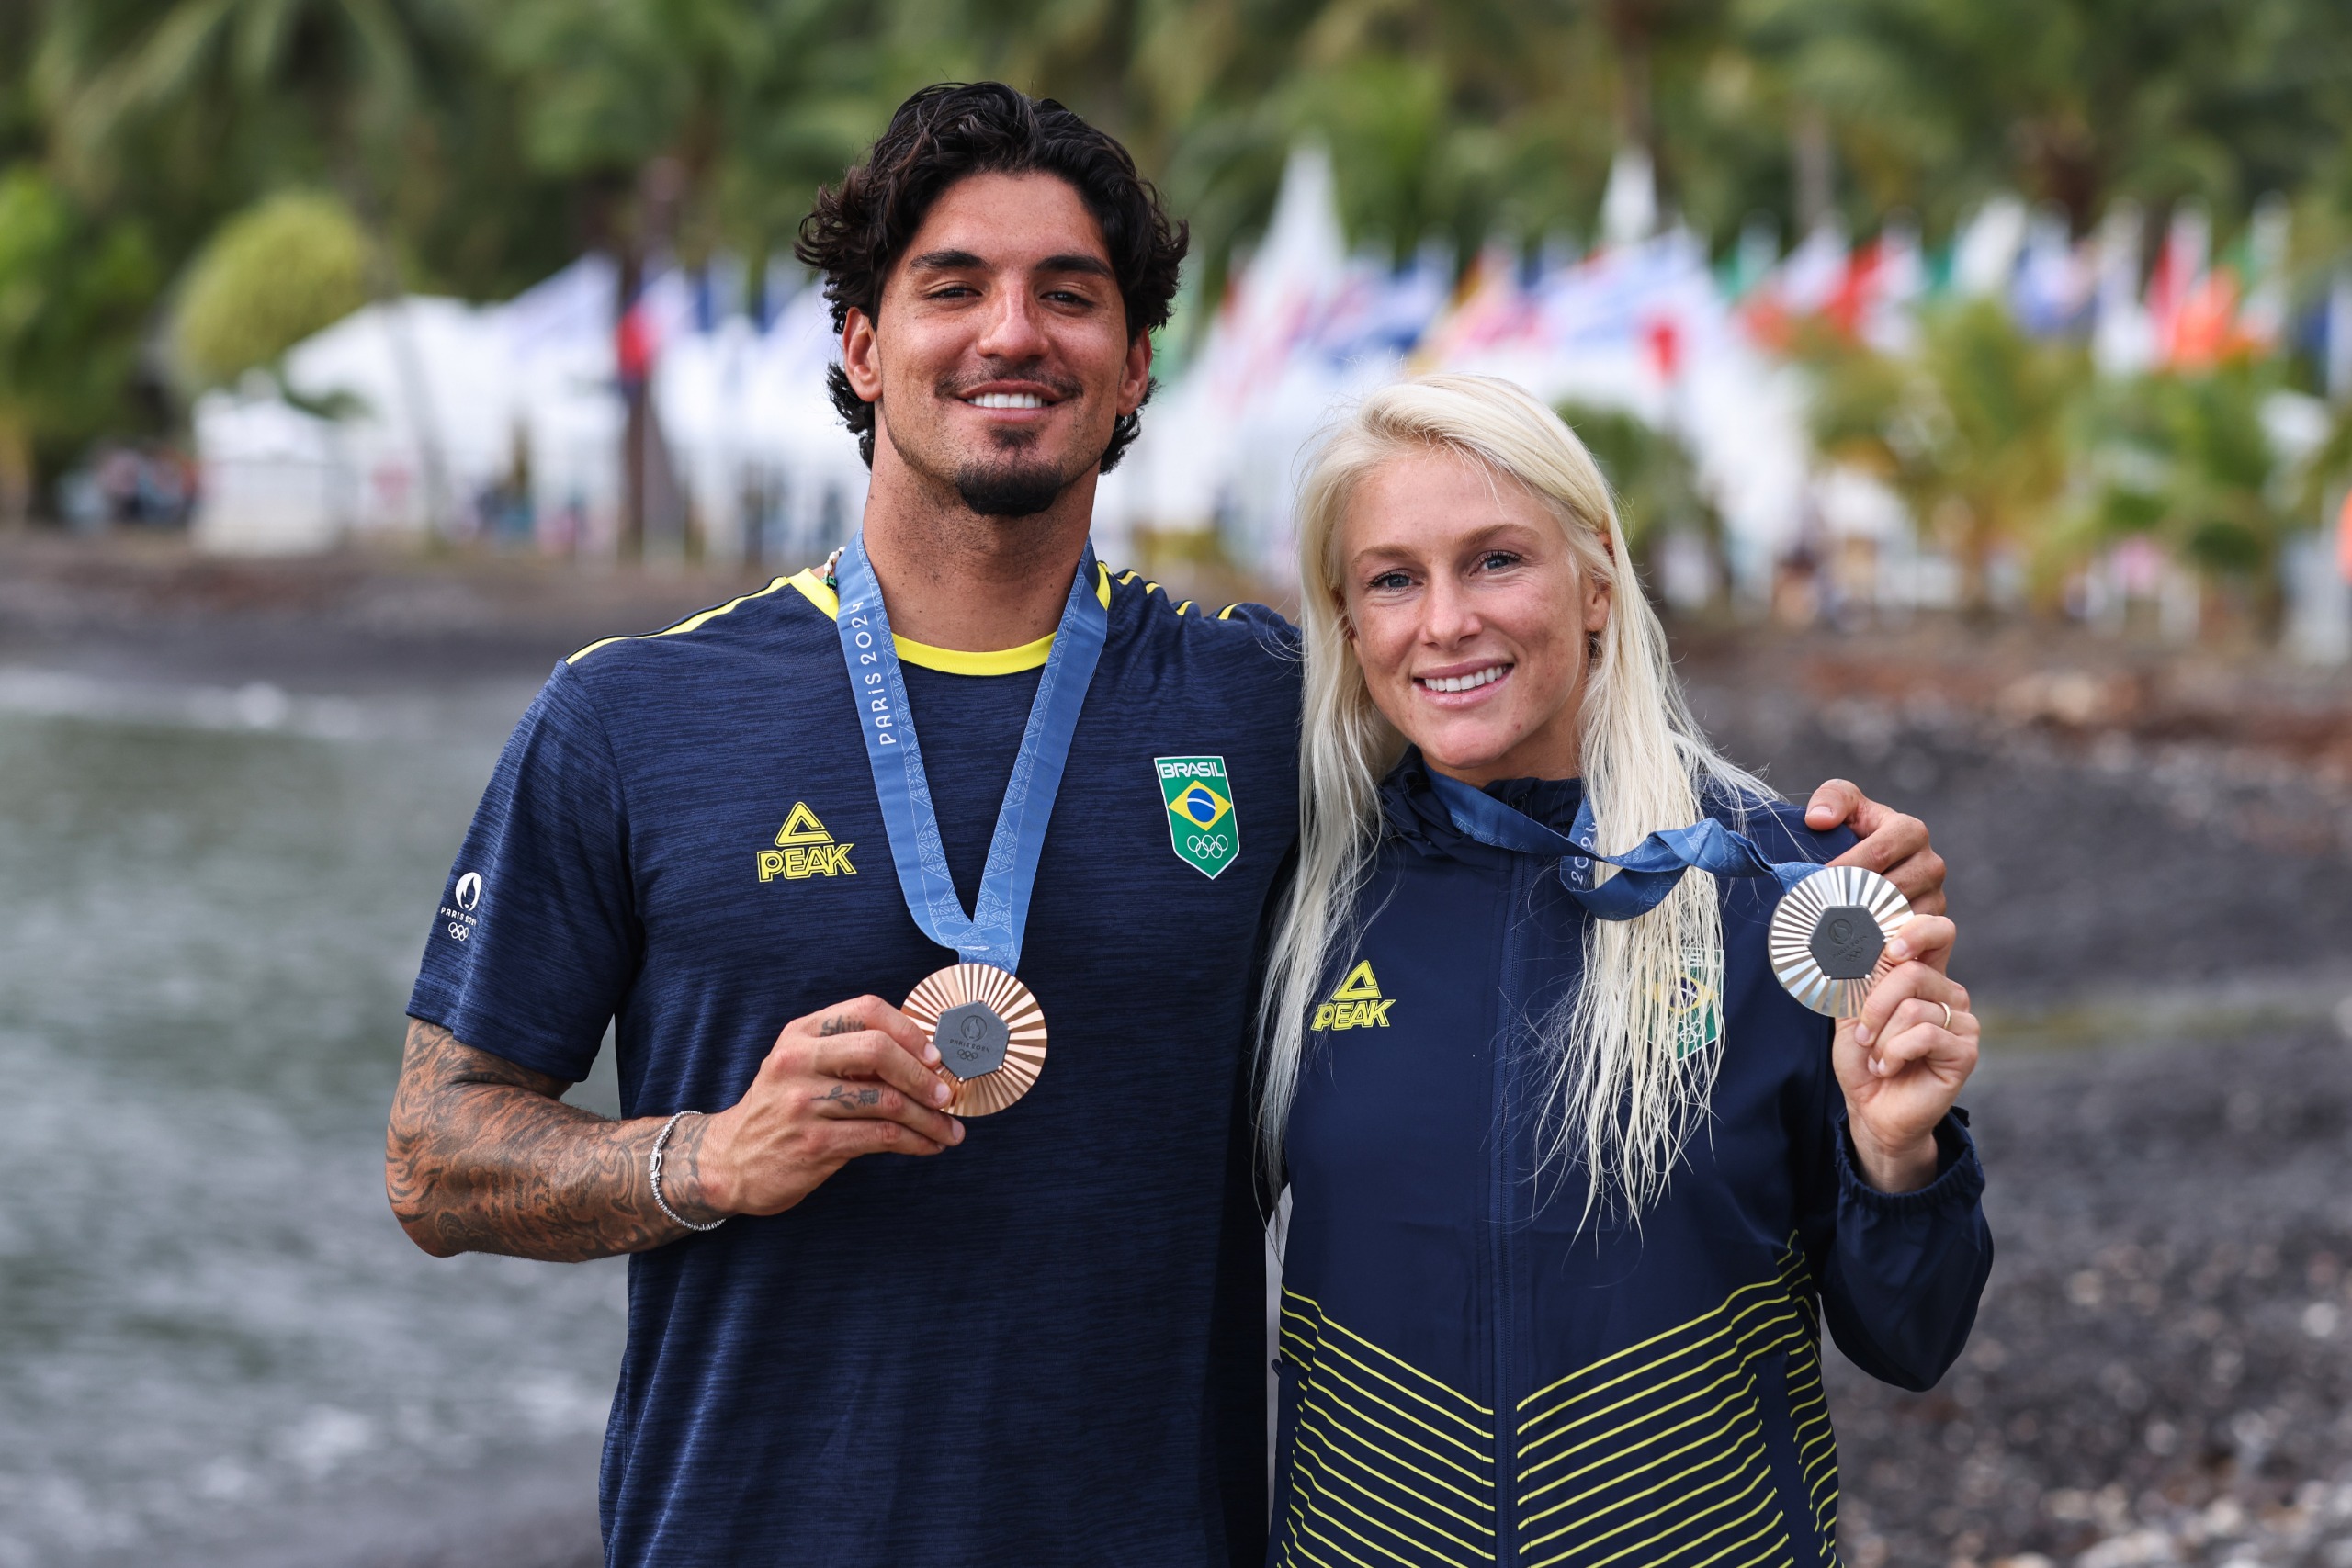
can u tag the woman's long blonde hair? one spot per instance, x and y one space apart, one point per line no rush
1631 1059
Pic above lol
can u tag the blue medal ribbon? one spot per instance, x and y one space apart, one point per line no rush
991 933
1648 871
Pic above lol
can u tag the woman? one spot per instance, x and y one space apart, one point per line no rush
1570 1195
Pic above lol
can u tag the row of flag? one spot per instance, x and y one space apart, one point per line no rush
2182 309
1646 321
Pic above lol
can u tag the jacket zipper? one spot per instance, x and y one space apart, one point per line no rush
1504 1147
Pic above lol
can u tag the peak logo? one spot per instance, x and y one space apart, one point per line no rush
1357 1004
804 849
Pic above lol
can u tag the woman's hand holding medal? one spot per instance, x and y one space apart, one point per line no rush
1903 1060
859 1078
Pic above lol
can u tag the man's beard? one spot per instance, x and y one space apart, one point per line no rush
1017 485
1013 480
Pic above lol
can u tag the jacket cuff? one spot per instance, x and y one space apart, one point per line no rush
1960 1176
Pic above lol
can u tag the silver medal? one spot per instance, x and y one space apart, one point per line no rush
1829 936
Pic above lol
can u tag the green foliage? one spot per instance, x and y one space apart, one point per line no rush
272 276
1656 482
1652 473
1938 102
73 292
187 111
1970 429
747 106
2186 458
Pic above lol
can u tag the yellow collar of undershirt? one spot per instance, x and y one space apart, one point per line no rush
951 661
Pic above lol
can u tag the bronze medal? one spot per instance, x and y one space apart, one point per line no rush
988 1030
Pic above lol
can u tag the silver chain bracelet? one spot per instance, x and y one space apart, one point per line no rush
653 1174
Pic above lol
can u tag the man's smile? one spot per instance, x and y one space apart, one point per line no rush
1010 399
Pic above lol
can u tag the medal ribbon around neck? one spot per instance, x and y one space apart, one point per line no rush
1647 872
1828 939
991 932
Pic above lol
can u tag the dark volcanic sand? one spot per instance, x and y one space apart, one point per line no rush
2160 1371
2163 1357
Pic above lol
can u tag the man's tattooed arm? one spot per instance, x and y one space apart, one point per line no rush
483 1155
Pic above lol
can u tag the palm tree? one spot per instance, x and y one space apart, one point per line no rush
2186 458
1657 485
73 294
1970 429
341 76
1938 102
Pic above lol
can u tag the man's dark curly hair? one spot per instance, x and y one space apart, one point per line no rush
859 228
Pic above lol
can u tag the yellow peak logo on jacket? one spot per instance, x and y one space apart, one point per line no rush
803 848
1357 1004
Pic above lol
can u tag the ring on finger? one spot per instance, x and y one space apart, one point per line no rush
1947 1006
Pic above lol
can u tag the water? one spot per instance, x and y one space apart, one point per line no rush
211 906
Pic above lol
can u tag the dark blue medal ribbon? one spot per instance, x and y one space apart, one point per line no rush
991 932
1648 871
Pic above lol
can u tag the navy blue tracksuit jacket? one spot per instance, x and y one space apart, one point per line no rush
1473 1370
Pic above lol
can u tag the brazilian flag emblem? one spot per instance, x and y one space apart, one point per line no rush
1202 827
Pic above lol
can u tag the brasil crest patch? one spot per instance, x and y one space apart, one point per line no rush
1202 826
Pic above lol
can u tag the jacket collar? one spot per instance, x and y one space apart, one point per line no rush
1415 814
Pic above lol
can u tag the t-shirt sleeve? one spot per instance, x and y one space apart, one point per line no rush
1272 630
536 942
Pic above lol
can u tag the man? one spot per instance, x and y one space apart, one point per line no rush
1030 1339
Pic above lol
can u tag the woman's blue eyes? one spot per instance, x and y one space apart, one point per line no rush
1493 560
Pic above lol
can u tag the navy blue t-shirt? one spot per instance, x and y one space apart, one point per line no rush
1043 1346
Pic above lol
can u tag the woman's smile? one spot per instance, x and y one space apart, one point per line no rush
1459 686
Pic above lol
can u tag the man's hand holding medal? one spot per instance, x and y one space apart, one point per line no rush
861 1078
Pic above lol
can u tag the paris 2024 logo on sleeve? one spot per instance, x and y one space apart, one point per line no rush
1201 825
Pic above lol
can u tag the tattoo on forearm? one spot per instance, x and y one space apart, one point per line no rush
840 1024
483 1155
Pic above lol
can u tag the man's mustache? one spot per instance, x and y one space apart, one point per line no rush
955 384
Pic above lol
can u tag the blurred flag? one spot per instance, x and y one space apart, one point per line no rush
2204 325
2344 538
1272 306
2263 319
2123 343
1383 310
779 286
2337 328
1985 251
1491 311
2056 280
1629 204
1803 285
1752 259
571 308
663 310
1883 281
2176 279
1657 296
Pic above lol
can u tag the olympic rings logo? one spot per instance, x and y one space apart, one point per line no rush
1209 844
